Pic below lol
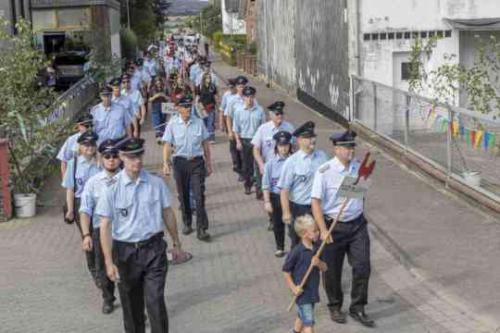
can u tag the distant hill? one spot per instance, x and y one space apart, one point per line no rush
186 7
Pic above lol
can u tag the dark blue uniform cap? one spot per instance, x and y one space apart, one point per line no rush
115 82
88 137
186 102
277 107
106 91
249 91
241 80
131 146
85 118
282 138
344 138
306 130
107 146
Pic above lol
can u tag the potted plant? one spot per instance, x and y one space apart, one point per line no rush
26 106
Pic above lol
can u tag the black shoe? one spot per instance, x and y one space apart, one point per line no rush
248 190
107 307
240 178
187 229
338 316
203 235
361 317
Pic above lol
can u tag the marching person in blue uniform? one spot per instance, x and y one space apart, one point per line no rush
74 181
93 191
123 100
263 142
70 147
137 207
111 120
191 163
297 175
139 107
272 173
231 91
350 234
232 102
247 119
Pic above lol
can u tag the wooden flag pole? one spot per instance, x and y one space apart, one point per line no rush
320 250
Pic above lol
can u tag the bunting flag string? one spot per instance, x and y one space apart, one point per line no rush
475 138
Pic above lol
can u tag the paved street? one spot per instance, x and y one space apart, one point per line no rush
234 283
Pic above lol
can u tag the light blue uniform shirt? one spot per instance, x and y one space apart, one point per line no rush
94 189
194 71
111 122
263 138
151 66
135 208
127 104
84 170
272 173
136 81
298 173
327 180
69 149
136 97
223 102
247 121
232 102
187 138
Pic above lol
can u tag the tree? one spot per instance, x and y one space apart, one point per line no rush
480 82
25 108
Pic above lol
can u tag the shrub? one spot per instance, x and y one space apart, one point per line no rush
129 43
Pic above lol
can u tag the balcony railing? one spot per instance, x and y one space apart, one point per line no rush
39 4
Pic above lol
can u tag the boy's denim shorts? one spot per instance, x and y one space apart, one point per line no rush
306 314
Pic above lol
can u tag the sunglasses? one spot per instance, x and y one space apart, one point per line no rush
109 156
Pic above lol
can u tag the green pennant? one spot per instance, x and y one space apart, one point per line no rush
467 137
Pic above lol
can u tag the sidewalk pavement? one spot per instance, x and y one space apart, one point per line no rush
449 245
233 284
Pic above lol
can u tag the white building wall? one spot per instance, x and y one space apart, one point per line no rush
231 24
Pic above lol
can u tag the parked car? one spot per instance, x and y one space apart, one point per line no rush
69 68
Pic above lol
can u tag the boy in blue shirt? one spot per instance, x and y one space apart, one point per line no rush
296 264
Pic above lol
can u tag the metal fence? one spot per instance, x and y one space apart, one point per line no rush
464 143
73 100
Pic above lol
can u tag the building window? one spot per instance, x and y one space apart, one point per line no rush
423 34
447 33
407 35
399 35
366 37
390 35
374 36
383 36
406 69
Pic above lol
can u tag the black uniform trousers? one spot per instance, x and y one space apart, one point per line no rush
258 178
143 271
90 255
277 220
191 173
235 156
107 286
247 162
296 210
349 238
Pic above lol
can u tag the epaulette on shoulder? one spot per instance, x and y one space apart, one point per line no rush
323 168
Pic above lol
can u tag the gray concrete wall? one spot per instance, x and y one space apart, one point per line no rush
322 54
276 43
303 48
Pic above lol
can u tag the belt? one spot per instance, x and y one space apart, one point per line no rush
330 219
195 158
144 243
